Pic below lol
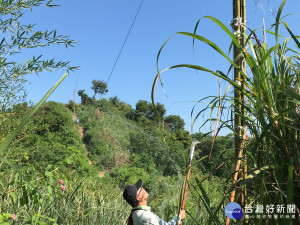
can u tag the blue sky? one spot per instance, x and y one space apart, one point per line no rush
100 28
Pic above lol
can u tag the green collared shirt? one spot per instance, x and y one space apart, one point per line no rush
142 215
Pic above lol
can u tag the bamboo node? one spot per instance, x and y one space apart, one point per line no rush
238 127
236 23
238 82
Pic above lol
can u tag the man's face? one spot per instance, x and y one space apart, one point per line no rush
141 195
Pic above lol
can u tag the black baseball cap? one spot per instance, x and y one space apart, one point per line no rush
130 192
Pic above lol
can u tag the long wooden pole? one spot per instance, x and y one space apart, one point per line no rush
244 192
239 15
186 187
194 143
184 193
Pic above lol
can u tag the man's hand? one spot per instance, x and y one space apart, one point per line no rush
182 214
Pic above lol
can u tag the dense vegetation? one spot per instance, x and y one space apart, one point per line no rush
122 150
264 104
68 164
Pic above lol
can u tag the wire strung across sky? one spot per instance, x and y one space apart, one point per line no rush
119 52
125 41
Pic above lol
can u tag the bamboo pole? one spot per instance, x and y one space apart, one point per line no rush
186 187
185 192
239 12
194 143
237 97
244 193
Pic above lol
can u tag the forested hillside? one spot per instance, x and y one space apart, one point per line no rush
110 146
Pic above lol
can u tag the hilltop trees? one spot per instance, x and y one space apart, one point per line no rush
99 87
175 122
145 109
158 112
142 107
83 96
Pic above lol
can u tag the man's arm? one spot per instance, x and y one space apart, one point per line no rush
174 220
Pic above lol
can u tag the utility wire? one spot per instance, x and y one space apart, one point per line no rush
125 41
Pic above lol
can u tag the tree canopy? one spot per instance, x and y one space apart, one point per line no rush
16 37
144 108
99 87
175 122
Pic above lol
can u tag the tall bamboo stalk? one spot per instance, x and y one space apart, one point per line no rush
244 193
239 15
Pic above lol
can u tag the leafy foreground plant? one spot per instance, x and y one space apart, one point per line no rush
17 39
27 183
272 118
52 198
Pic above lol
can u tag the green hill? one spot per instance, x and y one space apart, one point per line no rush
112 145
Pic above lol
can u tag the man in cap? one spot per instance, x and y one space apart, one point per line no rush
141 214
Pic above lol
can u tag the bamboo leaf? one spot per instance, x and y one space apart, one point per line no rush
291 33
206 202
231 35
273 33
196 67
292 93
195 30
290 182
278 18
210 43
268 53
198 161
159 52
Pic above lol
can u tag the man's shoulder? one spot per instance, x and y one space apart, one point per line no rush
142 212
144 217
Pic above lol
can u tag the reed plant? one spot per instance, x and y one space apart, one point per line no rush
49 200
272 120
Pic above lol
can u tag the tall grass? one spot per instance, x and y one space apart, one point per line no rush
272 118
84 201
